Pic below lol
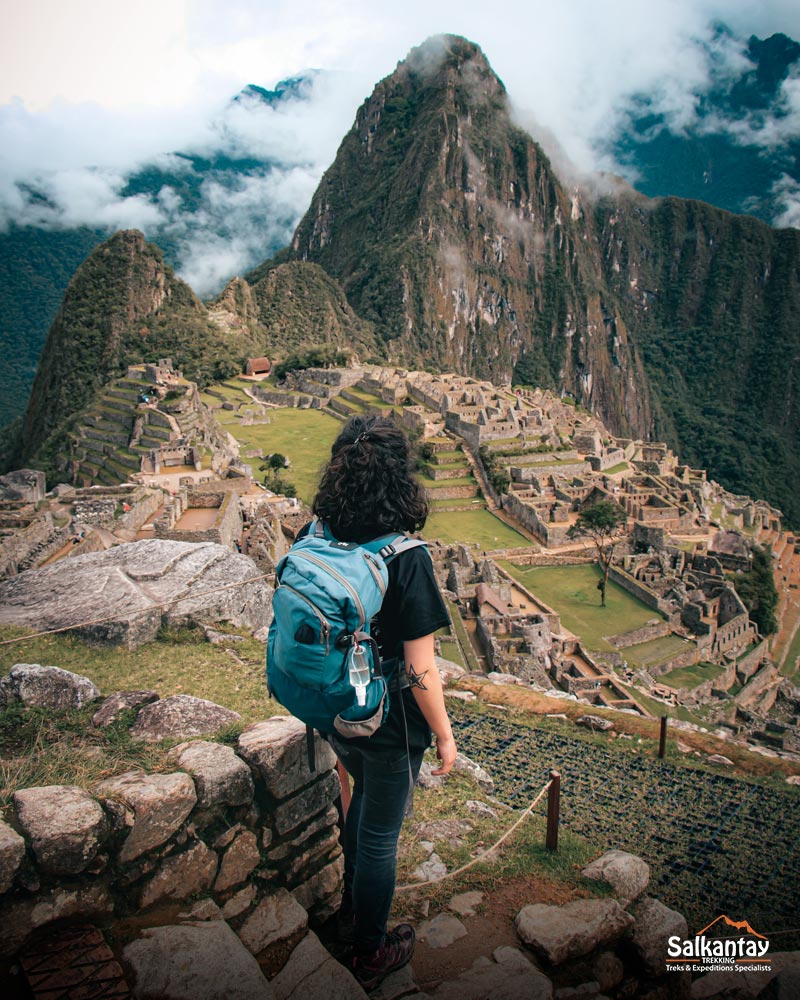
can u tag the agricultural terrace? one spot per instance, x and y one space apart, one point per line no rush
572 592
714 844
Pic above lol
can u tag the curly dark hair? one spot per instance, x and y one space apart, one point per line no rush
368 487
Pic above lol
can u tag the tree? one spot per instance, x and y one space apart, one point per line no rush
600 522
758 591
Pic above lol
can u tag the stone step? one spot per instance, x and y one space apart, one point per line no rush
105 434
129 461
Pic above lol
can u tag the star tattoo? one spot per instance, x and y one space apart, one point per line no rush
416 680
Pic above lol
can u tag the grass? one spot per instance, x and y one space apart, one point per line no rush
572 592
434 484
790 665
180 661
452 651
304 436
478 528
656 651
691 677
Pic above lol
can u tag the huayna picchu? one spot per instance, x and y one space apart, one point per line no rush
441 237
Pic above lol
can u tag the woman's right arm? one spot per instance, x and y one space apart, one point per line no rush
426 686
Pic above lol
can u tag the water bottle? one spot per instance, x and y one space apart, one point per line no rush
359 672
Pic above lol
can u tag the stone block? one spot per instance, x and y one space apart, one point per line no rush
311 974
627 874
203 961
155 806
20 918
500 981
115 704
220 776
276 750
46 687
655 924
441 931
559 933
181 876
179 716
312 799
277 918
322 885
64 824
238 861
12 851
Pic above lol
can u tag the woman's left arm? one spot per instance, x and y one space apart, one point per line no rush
426 686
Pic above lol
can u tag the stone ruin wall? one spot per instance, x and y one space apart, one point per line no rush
249 827
227 525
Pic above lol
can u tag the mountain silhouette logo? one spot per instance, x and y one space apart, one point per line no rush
739 925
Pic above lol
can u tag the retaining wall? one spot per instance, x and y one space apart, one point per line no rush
240 826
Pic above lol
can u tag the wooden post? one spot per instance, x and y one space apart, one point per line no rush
553 802
662 742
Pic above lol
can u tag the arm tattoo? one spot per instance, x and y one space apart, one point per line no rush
416 680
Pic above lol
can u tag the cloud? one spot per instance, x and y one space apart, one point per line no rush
786 194
122 96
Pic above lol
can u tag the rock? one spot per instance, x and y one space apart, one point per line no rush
586 991
181 715
397 985
608 970
460 695
506 955
221 638
717 758
428 780
64 825
784 986
505 980
181 876
595 723
154 806
466 903
19 919
447 669
141 585
46 687
220 777
238 861
463 763
12 851
441 931
748 984
444 829
203 909
118 702
655 923
322 889
312 799
498 678
793 779
238 903
276 749
311 974
203 961
627 874
277 917
559 933
481 810
431 870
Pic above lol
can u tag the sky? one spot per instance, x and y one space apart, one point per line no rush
90 90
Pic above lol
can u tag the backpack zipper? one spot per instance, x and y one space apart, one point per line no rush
324 624
344 582
375 572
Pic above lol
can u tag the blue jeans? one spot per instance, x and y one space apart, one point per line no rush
371 832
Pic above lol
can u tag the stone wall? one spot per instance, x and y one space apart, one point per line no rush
645 634
626 581
17 545
245 826
226 528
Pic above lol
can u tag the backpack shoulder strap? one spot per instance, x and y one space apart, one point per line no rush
398 544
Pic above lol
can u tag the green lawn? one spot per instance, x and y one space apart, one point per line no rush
304 436
648 654
690 677
790 665
478 528
572 592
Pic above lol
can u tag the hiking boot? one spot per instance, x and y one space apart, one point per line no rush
395 952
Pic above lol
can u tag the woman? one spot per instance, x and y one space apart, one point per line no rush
368 489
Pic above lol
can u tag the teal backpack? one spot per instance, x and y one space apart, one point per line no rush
326 594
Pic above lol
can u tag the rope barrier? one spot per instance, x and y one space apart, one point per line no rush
484 854
139 611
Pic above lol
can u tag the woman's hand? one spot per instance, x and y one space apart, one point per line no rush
446 752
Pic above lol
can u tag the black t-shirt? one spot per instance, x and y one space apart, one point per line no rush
411 609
